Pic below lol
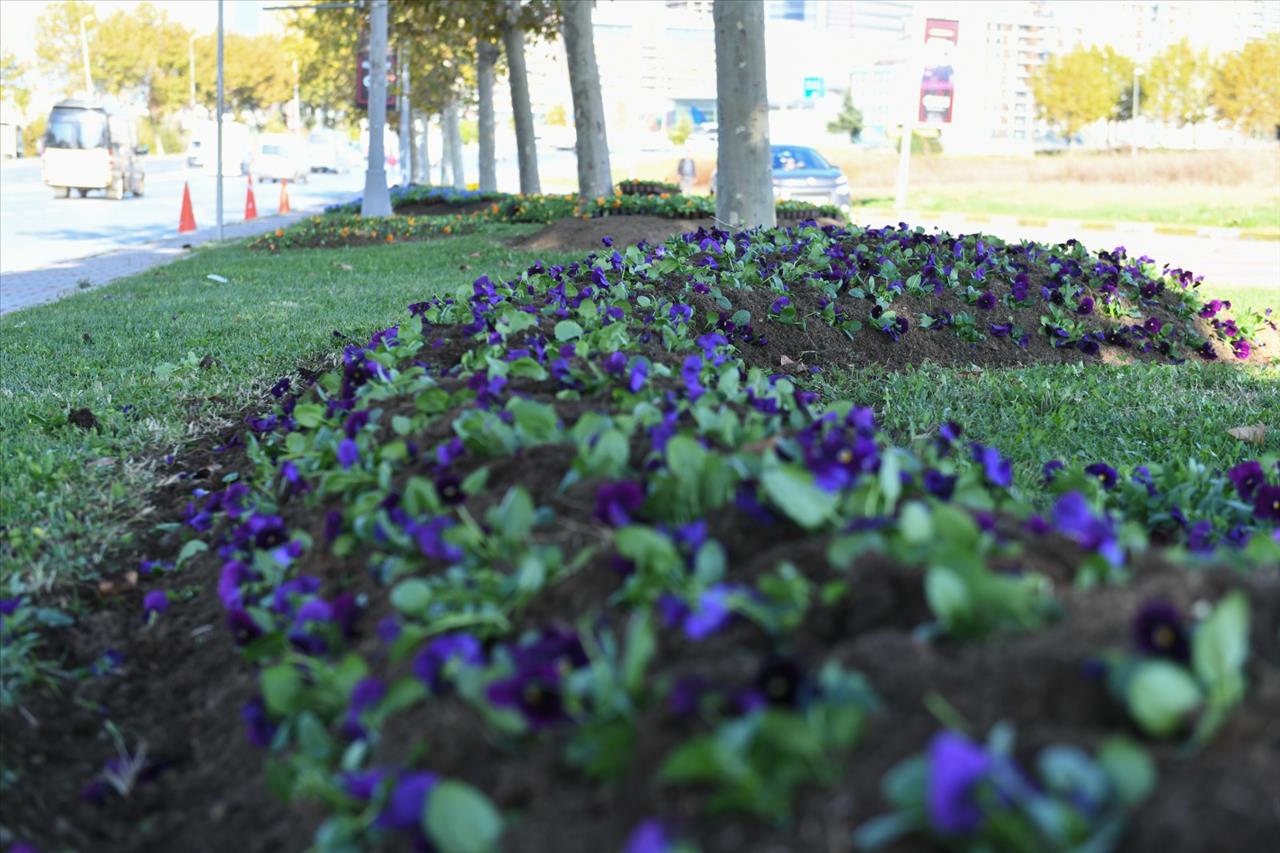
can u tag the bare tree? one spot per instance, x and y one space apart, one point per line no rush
592 144
486 55
744 181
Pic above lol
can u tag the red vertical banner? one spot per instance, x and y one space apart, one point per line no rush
362 79
937 86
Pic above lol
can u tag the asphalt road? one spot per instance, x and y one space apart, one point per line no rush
37 230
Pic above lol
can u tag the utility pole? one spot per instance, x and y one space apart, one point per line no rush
221 95
1133 113
84 55
915 70
191 68
297 98
377 199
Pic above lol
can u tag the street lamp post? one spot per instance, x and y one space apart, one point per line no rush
191 67
219 106
84 55
1133 113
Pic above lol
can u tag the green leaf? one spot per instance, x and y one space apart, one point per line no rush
535 420
400 425
195 546
685 458
309 415
313 738
567 330
948 596
608 457
411 596
916 523
281 688
1220 648
1162 696
1130 769
641 645
457 818
890 478
792 490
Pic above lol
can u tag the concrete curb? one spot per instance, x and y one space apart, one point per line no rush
888 214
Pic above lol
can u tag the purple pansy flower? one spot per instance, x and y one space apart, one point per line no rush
956 767
1266 503
348 453
1105 474
998 470
404 807
1158 630
430 663
1073 517
617 502
156 601
534 692
1247 477
649 837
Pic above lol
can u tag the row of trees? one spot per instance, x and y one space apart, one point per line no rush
1180 86
453 49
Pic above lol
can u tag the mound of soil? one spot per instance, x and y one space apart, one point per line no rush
442 208
585 234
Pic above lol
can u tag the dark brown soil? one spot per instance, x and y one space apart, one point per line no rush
82 418
182 686
586 234
442 208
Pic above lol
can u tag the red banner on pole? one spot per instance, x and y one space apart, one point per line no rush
362 79
937 87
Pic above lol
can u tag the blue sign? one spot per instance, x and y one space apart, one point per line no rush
815 87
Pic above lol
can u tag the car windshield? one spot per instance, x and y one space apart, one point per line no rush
791 159
74 128
273 150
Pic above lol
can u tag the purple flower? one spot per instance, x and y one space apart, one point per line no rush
986 301
639 375
1073 518
1247 477
778 304
617 502
404 807
956 767
648 837
938 484
1105 474
1153 325
1085 305
998 470
348 453
1159 630
690 374
242 626
1241 348
534 692
362 784
430 663
257 723
1050 470
9 606
156 601
1266 503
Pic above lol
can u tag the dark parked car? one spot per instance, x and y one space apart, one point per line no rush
802 174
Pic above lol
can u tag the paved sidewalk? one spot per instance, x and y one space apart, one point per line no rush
20 290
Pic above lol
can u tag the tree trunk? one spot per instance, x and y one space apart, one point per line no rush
445 159
415 158
744 169
592 145
526 144
406 127
486 56
453 131
423 173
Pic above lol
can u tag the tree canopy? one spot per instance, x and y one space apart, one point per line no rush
1178 83
1075 89
1246 86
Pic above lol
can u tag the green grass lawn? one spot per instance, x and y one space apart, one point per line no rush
1245 299
130 353
1120 414
1184 204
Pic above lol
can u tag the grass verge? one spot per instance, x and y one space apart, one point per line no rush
164 356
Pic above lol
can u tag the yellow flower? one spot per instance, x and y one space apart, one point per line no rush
600 200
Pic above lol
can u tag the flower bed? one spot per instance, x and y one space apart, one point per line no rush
568 562
345 229
637 186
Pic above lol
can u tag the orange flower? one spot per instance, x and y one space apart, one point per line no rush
391 238
617 202
279 232
346 232
495 208
448 230
586 217
600 200
664 195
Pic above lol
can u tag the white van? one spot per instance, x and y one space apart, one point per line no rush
88 147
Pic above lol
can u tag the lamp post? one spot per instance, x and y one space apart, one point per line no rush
1133 113
191 67
84 55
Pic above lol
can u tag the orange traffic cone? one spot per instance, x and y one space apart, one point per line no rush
187 219
250 206
284 197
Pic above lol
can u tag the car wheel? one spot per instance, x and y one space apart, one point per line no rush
140 186
115 192
84 191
